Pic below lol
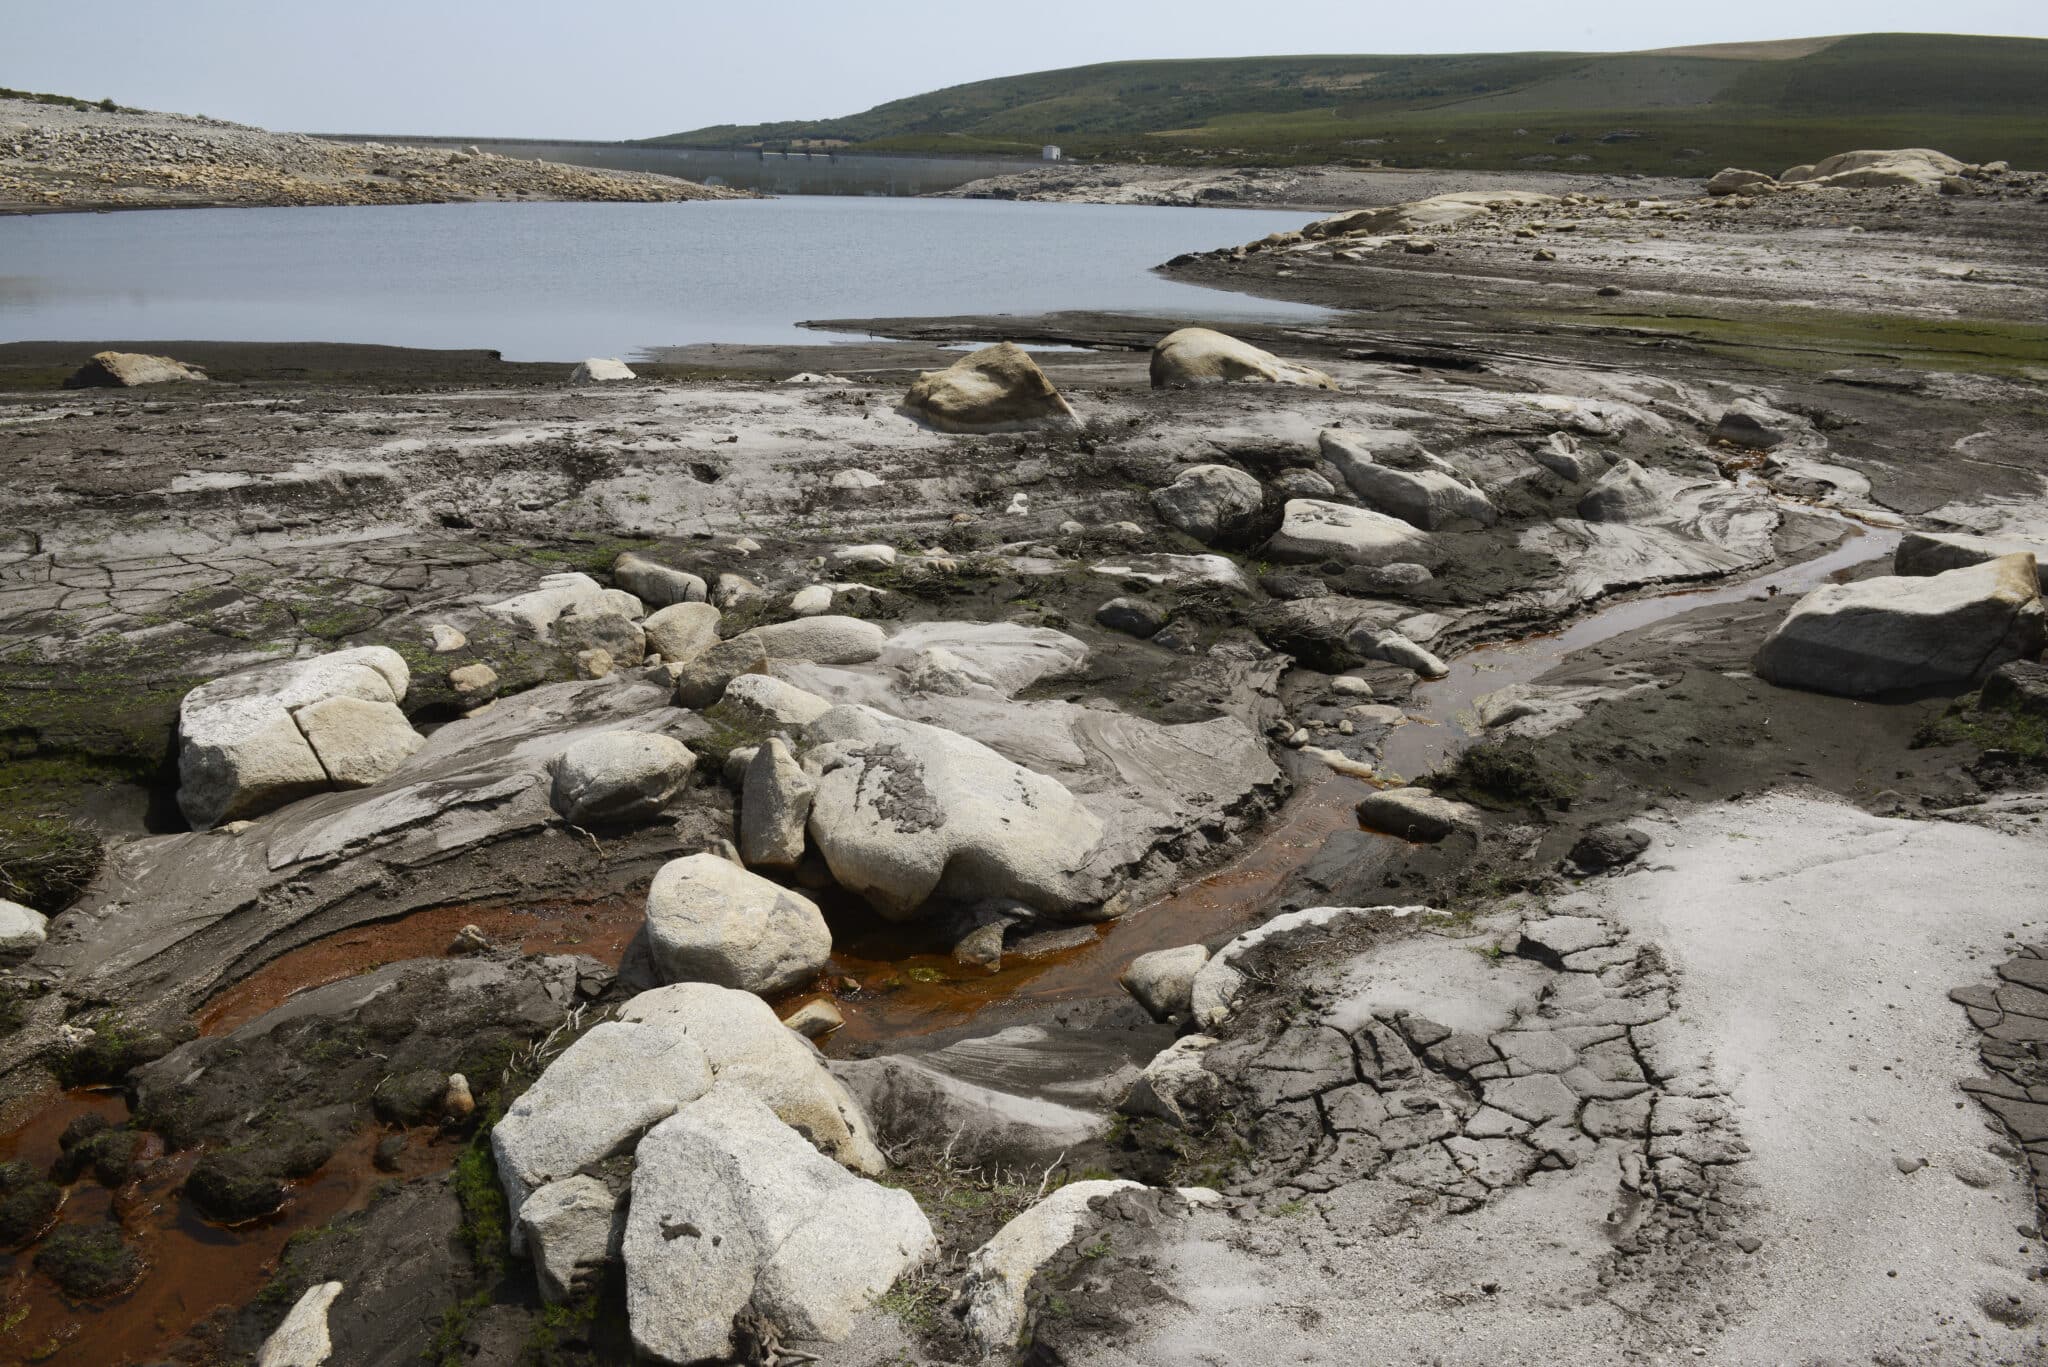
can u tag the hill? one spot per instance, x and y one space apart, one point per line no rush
1677 111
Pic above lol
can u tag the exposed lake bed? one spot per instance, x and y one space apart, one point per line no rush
200 529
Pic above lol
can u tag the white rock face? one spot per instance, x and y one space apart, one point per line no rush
241 750
358 741
821 640
445 639
905 812
595 1100
854 480
572 1229
22 929
656 583
600 369
1175 1086
681 632
1947 630
559 596
709 920
1008 656
1204 356
1000 1271
1220 980
775 806
1924 553
1209 502
745 1044
618 776
125 369
768 701
811 600
302 1339
733 1211
1416 814
1313 530
1164 980
1409 484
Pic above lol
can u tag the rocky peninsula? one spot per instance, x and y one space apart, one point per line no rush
1501 826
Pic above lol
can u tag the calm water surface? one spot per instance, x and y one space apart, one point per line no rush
563 281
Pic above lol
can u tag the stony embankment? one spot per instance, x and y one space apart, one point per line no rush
1611 1024
56 157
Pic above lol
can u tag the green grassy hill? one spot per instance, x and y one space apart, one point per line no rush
1685 111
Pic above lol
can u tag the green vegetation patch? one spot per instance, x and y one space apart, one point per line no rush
1823 339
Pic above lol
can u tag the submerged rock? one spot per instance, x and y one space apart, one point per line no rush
1204 356
1947 630
997 389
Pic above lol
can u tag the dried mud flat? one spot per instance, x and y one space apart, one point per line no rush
1545 1093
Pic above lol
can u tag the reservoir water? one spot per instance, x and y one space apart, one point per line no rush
563 281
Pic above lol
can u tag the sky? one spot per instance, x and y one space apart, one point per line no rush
639 68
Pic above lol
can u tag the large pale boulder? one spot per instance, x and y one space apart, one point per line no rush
595 1100
1912 167
125 369
999 1273
775 806
1408 483
22 929
601 369
996 389
1177 1086
1311 530
656 583
709 920
302 1339
733 1212
1416 814
618 776
1210 502
1947 630
1008 656
681 632
821 640
745 1044
906 812
1924 553
1204 356
1164 980
766 701
242 751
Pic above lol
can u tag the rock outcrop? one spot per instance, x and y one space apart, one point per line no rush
1204 356
709 920
1913 167
601 369
1945 631
997 389
1924 553
243 749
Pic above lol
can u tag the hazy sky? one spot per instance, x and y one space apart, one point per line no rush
637 68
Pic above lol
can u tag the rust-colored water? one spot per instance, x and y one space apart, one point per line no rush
193 1269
